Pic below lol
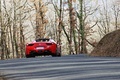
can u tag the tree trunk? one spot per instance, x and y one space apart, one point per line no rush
22 41
40 21
71 25
60 24
82 29
2 34
14 30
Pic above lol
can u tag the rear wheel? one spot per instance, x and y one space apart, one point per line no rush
30 56
27 56
58 53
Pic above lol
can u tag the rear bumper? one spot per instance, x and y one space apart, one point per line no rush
40 52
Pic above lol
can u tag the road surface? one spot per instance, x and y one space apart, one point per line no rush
73 67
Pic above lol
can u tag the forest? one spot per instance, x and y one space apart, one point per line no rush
77 25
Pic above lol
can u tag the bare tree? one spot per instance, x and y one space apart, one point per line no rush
71 24
13 32
72 18
104 21
4 29
116 13
40 18
2 33
58 12
82 28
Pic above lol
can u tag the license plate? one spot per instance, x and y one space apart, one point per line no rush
39 47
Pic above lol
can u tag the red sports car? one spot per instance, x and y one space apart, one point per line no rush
42 47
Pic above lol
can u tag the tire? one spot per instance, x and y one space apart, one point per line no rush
57 55
29 56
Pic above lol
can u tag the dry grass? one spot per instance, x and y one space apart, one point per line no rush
109 45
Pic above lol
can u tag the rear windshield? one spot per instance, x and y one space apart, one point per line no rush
42 40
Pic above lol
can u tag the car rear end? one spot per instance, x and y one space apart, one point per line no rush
40 48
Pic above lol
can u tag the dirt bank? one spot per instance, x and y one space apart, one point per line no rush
108 46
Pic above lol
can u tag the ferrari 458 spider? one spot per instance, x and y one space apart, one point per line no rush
42 47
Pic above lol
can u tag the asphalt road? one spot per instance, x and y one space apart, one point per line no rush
74 67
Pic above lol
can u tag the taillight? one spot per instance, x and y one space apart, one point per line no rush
30 44
49 43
